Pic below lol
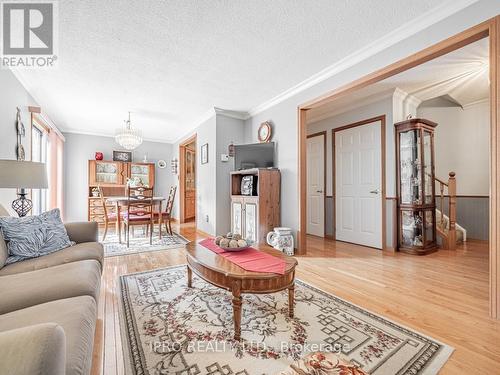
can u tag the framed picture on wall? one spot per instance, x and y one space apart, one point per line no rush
204 154
125 156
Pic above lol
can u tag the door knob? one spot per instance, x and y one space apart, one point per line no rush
376 191
319 191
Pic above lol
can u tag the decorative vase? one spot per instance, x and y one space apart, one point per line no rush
99 156
281 239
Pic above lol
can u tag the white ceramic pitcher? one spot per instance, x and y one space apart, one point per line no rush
281 239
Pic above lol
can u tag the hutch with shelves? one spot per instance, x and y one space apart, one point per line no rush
253 216
112 177
415 185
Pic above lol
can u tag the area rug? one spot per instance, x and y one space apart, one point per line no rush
168 328
140 243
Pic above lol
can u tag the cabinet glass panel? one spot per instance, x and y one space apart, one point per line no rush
106 173
412 228
140 172
237 218
428 167
410 167
429 227
251 222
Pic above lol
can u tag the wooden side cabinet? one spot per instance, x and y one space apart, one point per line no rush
112 177
416 190
253 216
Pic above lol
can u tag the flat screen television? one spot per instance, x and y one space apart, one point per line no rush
256 155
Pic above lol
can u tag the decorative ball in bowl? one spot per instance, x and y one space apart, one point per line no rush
232 242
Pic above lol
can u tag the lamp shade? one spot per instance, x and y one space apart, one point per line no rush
23 174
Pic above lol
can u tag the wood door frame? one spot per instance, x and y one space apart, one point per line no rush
489 28
323 133
382 120
182 175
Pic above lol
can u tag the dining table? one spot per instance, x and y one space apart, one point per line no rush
120 202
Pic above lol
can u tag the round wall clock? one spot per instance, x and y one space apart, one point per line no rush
162 164
265 131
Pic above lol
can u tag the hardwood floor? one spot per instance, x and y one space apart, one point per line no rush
443 295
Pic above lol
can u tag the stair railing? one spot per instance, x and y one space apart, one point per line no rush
451 187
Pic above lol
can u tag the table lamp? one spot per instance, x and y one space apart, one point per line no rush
22 175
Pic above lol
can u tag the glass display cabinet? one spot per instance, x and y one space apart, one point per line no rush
415 183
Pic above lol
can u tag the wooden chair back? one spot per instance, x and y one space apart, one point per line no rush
170 200
140 202
103 202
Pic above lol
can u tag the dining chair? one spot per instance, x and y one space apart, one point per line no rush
139 210
109 217
166 216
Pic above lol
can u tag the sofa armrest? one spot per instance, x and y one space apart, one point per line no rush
85 231
37 349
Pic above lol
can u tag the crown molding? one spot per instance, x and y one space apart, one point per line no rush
238 115
418 24
378 97
476 102
107 135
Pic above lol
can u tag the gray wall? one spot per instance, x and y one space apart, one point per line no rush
473 214
284 114
80 148
12 95
228 130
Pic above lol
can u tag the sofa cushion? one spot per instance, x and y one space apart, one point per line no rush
3 245
3 251
26 289
84 231
46 345
82 251
34 236
77 317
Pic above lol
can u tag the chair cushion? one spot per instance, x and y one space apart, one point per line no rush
77 317
163 214
26 289
137 217
81 251
33 236
46 345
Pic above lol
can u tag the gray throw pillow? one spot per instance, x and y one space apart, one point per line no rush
34 236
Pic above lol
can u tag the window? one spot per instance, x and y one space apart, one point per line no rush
39 153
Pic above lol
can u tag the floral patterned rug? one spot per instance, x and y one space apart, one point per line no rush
140 243
168 328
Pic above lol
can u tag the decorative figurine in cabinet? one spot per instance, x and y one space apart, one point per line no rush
415 183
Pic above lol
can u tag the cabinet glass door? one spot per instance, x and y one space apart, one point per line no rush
428 173
412 228
108 173
410 167
140 172
250 222
237 218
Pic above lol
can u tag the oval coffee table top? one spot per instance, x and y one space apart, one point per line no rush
208 259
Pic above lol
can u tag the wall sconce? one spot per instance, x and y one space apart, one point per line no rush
174 164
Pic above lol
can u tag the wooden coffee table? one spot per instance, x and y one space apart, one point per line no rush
224 274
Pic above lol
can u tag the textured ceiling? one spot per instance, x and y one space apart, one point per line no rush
461 75
170 62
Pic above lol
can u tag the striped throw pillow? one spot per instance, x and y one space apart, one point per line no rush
34 236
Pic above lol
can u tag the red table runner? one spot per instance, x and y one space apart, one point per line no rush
250 259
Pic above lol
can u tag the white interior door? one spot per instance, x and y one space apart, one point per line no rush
358 185
316 185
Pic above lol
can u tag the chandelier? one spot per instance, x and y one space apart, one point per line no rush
128 137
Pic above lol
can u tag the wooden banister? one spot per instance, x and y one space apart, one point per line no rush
452 192
451 235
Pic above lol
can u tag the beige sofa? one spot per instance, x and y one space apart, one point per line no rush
48 307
